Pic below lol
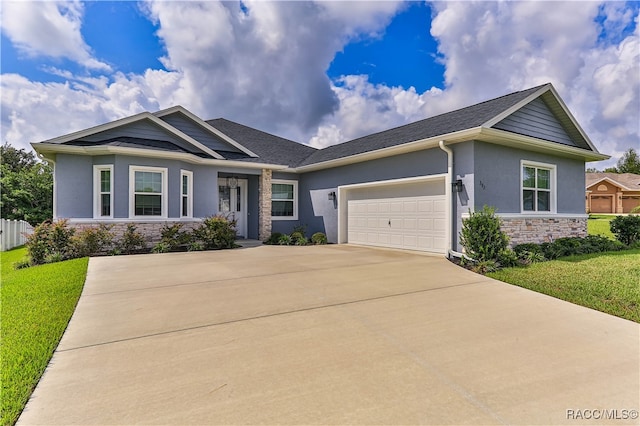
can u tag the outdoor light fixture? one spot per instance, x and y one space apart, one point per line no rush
332 196
456 186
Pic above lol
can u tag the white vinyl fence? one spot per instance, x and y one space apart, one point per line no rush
13 233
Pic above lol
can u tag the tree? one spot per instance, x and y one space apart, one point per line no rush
629 162
26 186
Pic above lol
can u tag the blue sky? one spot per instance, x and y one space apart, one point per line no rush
316 72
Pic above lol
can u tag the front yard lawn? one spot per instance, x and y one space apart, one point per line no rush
608 282
37 304
600 225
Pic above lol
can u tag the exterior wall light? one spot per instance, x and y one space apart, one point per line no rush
457 186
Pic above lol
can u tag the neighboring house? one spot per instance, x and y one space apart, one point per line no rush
612 192
408 187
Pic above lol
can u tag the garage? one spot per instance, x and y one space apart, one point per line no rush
602 204
405 214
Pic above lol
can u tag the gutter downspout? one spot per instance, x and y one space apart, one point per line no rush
450 200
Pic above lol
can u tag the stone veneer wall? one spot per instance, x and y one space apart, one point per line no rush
264 207
541 230
150 230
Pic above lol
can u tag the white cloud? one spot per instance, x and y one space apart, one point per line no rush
48 28
265 66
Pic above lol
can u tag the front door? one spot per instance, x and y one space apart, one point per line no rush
232 202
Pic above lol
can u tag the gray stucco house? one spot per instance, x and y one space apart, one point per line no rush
407 187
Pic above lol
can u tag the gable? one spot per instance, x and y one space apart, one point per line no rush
187 126
535 119
142 130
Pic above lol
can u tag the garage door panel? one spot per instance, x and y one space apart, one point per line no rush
416 223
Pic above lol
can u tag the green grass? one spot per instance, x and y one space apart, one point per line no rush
608 282
37 304
600 225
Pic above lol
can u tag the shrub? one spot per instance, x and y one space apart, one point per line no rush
273 238
161 248
626 229
195 246
132 241
295 236
520 249
50 242
284 240
173 236
600 243
485 266
302 229
92 241
319 238
302 241
481 235
529 257
507 258
216 232
566 246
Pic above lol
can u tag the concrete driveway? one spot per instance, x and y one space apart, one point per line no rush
330 335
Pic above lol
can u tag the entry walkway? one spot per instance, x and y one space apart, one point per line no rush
329 335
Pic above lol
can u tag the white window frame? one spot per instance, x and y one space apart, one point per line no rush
97 191
295 199
189 194
164 201
553 190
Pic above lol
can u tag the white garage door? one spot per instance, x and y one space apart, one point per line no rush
413 223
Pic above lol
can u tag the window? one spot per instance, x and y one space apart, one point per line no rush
538 187
284 200
186 189
147 191
103 191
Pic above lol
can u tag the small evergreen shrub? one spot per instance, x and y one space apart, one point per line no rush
302 229
481 235
195 246
273 238
92 241
161 248
295 236
216 232
520 249
302 241
284 240
319 238
507 258
626 229
132 241
50 242
173 237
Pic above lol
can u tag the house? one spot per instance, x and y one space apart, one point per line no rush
408 187
612 192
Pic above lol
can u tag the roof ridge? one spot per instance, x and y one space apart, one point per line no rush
257 130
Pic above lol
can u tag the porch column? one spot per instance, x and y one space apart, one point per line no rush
264 209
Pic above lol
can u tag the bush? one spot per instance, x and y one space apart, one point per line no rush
195 246
216 232
319 238
273 238
302 241
92 241
161 248
50 242
481 235
507 258
173 236
284 240
599 243
302 229
295 236
132 241
520 249
626 229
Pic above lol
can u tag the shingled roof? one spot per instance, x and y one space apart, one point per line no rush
628 181
270 149
461 119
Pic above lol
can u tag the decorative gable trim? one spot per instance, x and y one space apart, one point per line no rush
129 120
612 182
206 126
